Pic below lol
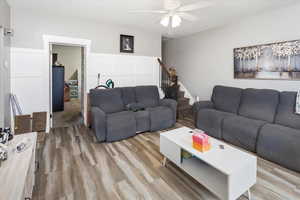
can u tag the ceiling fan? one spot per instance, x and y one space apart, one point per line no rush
174 11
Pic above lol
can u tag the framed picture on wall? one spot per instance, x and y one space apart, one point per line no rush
280 60
126 43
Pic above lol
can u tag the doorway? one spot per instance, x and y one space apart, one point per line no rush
67 84
85 45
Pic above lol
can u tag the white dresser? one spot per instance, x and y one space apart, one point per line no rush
17 172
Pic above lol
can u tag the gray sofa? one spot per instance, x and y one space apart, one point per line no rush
112 118
259 120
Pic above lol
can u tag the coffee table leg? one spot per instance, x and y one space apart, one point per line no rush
164 161
249 194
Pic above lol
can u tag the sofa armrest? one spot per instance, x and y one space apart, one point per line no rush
171 103
99 123
202 105
199 105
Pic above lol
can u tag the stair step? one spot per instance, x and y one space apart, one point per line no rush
180 94
184 108
183 101
185 111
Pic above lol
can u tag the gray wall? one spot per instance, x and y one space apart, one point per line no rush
4 66
70 58
206 59
29 29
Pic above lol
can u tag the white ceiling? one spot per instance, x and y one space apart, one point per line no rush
117 11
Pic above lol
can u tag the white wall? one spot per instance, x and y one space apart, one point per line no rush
206 59
123 70
4 65
30 77
30 27
30 70
69 57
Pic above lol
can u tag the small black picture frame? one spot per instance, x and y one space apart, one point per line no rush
126 44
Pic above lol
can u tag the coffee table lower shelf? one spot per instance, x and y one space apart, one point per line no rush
196 168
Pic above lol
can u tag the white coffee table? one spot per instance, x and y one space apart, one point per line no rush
228 172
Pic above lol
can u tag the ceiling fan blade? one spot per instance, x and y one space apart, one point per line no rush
188 16
195 6
149 11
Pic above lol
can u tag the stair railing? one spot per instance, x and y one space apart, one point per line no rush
168 81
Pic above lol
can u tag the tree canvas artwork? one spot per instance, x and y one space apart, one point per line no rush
269 61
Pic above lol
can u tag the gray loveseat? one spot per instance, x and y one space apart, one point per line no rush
259 120
113 119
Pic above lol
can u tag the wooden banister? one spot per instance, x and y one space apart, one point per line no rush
168 81
163 66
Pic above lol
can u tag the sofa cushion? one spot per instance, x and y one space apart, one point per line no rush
260 104
161 117
242 132
128 95
286 110
172 104
108 100
120 125
226 99
147 95
142 121
211 120
280 144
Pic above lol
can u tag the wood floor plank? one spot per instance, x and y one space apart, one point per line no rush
73 166
127 191
165 191
139 162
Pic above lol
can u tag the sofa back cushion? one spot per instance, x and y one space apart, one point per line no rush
286 110
108 100
226 99
128 95
259 104
147 95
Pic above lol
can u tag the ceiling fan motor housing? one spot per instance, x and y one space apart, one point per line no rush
171 4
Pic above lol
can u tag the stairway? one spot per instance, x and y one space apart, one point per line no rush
171 88
184 109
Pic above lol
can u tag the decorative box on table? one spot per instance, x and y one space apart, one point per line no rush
201 141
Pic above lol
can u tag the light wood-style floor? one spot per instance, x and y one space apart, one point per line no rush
70 116
73 166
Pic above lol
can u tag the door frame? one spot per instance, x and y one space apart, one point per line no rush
2 95
49 40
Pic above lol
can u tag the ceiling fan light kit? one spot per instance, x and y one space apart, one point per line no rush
176 21
173 21
165 21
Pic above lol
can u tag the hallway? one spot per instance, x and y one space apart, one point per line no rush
70 116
